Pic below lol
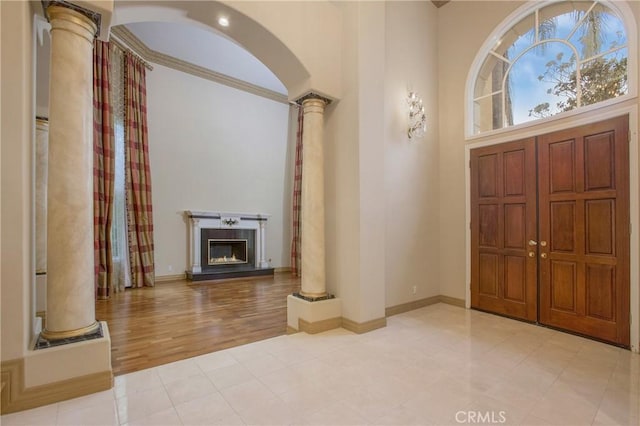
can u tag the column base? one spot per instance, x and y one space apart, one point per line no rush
57 373
47 338
313 297
313 316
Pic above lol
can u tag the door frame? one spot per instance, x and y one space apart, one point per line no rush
634 186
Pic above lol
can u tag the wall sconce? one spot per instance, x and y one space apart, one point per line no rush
417 118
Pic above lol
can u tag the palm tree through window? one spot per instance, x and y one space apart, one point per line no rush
561 56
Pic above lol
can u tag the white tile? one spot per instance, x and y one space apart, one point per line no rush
167 417
142 404
128 384
492 410
425 367
335 414
293 355
247 352
533 420
263 365
210 409
225 377
440 403
565 408
178 370
246 396
274 412
87 401
28 420
620 407
402 416
215 360
45 415
189 388
105 414
369 403
284 380
307 398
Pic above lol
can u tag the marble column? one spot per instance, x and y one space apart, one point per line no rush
70 256
42 158
42 152
312 207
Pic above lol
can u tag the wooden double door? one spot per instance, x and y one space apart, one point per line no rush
550 230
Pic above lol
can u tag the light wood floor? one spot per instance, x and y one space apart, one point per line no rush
172 321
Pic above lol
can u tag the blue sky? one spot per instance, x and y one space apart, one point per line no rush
527 91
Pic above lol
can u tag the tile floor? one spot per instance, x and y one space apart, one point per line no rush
439 365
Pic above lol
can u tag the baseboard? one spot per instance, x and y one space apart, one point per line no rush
417 304
453 301
291 330
410 306
319 326
16 398
282 270
363 327
170 278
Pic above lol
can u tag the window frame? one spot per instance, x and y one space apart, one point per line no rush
625 14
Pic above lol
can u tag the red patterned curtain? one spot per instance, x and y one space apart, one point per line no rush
297 193
103 169
138 174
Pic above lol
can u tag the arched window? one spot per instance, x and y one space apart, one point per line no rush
561 56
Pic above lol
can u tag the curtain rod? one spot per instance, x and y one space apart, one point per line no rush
120 45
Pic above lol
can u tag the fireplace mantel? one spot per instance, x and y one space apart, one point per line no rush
199 220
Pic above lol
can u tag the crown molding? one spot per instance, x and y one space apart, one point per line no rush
150 55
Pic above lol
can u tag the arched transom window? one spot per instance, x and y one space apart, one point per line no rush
561 56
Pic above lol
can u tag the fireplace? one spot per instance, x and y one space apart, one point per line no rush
227 249
227 252
226 245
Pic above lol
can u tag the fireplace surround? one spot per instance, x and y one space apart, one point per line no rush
226 245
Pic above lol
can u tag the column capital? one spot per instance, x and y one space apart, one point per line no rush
312 96
66 18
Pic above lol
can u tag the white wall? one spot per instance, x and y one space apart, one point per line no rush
17 134
411 166
382 189
215 148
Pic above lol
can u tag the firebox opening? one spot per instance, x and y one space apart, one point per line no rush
227 252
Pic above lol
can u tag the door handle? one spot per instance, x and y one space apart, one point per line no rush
543 243
533 243
543 255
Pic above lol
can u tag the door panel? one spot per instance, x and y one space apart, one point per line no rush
503 220
583 178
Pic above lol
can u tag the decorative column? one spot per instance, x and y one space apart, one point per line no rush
42 144
70 251
195 246
42 155
312 204
263 243
313 310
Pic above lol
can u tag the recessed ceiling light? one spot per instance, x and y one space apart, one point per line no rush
223 21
